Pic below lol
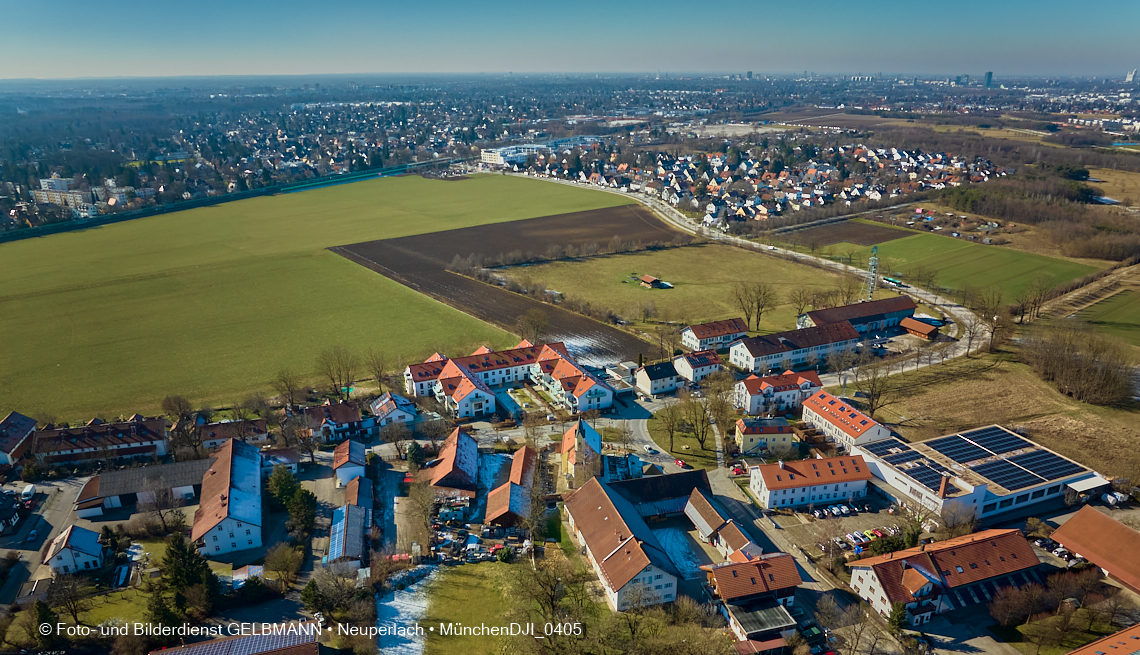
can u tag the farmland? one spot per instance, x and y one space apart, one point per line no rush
961 263
420 261
210 302
858 232
702 277
1118 315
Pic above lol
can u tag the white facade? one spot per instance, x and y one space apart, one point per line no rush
231 535
771 399
688 372
347 472
655 387
652 585
739 356
475 403
814 494
70 560
690 340
837 431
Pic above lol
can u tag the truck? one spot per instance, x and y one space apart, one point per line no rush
29 492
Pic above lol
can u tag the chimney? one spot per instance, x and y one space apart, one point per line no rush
781 463
942 486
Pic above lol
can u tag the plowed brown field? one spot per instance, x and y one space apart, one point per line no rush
420 262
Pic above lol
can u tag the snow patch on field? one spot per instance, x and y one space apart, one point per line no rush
489 467
403 609
676 545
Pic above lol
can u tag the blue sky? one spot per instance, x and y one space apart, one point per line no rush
116 38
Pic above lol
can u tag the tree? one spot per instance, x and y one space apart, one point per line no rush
416 455
668 338
338 365
283 561
69 594
1035 527
1007 606
827 613
852 626
958 520
308 439
671 418
282 486
163 504
302 508
696 415
42 615
1115 604
897 620
178 408
287 384
435 432
994 315
421 505
184 566
849 287
533 325
799 298
1040 634
764 298
971 331
159 612
874 381
377 364
398 435
742 299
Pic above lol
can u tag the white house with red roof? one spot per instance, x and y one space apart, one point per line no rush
713 335
773 394
348 461
75 549
696 366
228 517
840 422
570 385
947 575
809 482
794 348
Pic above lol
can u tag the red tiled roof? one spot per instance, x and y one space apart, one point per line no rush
1125 642
843 416
345 453
719 328
449 460
783 382
731 534
768 573
909 323
810 472
982 555
99 436
1104 541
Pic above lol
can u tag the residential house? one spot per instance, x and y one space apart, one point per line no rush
487 366
774 394
568 384
706 515
127 487
510 502
14 432
73 550
807 482
228 517
253 431
581 454
456 469
348 461
629 561
1124 641
656 379
135 438
1104 541
764 434
865 317
713 335
934 578
840 422
340 420
734 545
696 366
391 408
754 595
794 348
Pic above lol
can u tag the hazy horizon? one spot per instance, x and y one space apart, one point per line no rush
133 39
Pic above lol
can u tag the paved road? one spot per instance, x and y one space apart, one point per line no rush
53 512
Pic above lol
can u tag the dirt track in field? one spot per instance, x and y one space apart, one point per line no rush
420 262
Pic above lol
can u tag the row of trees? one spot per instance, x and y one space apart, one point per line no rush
1079 362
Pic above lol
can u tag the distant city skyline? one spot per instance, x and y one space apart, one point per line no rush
132 38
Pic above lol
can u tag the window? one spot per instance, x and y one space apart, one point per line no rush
215 537
65 568
1005 503
668 585
247 531
1054 489
217 548
87 564
251 542
668 596
973 566
658 577
239 525
1037 494
656 586
231 535
989 508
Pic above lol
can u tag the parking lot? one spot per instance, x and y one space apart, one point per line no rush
811 531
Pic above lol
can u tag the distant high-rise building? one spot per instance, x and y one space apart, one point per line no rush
749 74
958 80
966 80
989 79
1131 77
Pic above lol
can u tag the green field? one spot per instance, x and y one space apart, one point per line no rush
962 263
468 594
702 277
1118 316
210 303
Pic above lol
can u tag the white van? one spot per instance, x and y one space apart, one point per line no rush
29 492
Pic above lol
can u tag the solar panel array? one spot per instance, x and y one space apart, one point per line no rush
249 645
1046 464
1007 475
991 443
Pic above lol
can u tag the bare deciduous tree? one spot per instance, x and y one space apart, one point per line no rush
287 383
533 325
799 298
338 365
377 365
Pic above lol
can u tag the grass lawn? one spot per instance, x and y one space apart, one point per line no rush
702 277
128 605
962 263
1118 316
211 302
968 393
470 594
1119 185
1015 636
555 529
694 456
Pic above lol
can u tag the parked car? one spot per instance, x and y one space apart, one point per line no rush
1059 551
816 513
650 449
844 509
681 463
878 533
738 471
871 536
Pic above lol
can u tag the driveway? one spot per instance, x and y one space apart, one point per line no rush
52 513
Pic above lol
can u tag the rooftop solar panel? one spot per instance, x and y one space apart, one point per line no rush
902 458
929 477
1047 465
996 440
1007 475
958 449
884 446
